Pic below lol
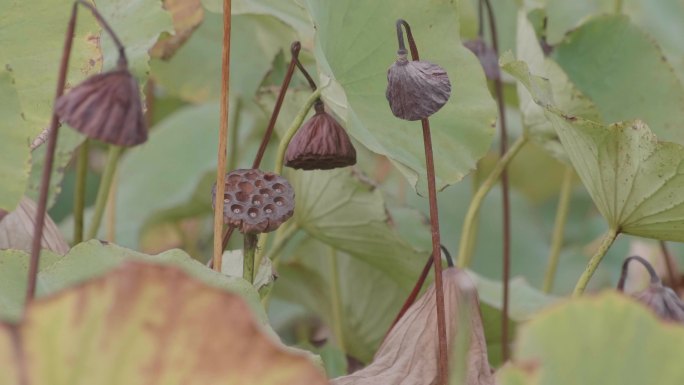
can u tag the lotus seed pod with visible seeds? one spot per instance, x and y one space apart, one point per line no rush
488 59
661 299
416 89
320 144
255 201
106 107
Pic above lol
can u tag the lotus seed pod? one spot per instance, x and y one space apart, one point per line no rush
661 299
106 107
416 89
487 57
255 201
320 144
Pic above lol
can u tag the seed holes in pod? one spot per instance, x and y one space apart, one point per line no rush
259 183
253 212
246 187
269 209
227 197
279 201
256 200
269 176
241 196
265 192
278 188
233 179
236 209
251 175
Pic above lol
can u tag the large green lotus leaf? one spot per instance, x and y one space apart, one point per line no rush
369 298
90 259
619 67
634 180
564 93
356 44
14 145
338 208
33 55
607 339
193 72
660 19
291 12
103 332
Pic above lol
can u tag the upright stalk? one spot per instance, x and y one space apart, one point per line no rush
558 229
250 244
103 190
506 211
79 194
223 138
49 160
336 300
594 262
443 360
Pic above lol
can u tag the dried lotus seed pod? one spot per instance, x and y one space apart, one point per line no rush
488 59
320 144
661 299
256 201
416 89
106 107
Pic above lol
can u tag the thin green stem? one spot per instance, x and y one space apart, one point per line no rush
465 249
103 189
594 262
292 130
282 237
336 301
248 257
559 228
79 194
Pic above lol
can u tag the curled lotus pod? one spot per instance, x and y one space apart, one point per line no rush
320 144
106 107
661 299
256 201
416 89
487 57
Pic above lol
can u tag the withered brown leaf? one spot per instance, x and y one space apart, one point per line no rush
408 356
16 229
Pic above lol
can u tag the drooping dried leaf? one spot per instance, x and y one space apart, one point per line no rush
146 324
256 201
106 107
416 89
320 144
186 16
16 230
408 356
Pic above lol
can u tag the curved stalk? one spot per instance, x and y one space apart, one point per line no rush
594 262
103 189
464 257
292 130
559 228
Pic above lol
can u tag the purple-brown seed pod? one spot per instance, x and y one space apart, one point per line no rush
106 107
255 201
661 299
416 89
320 144
487 57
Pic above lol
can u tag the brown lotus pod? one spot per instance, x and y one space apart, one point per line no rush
661 299
255 201
416 89
106 107
487 57
320 144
